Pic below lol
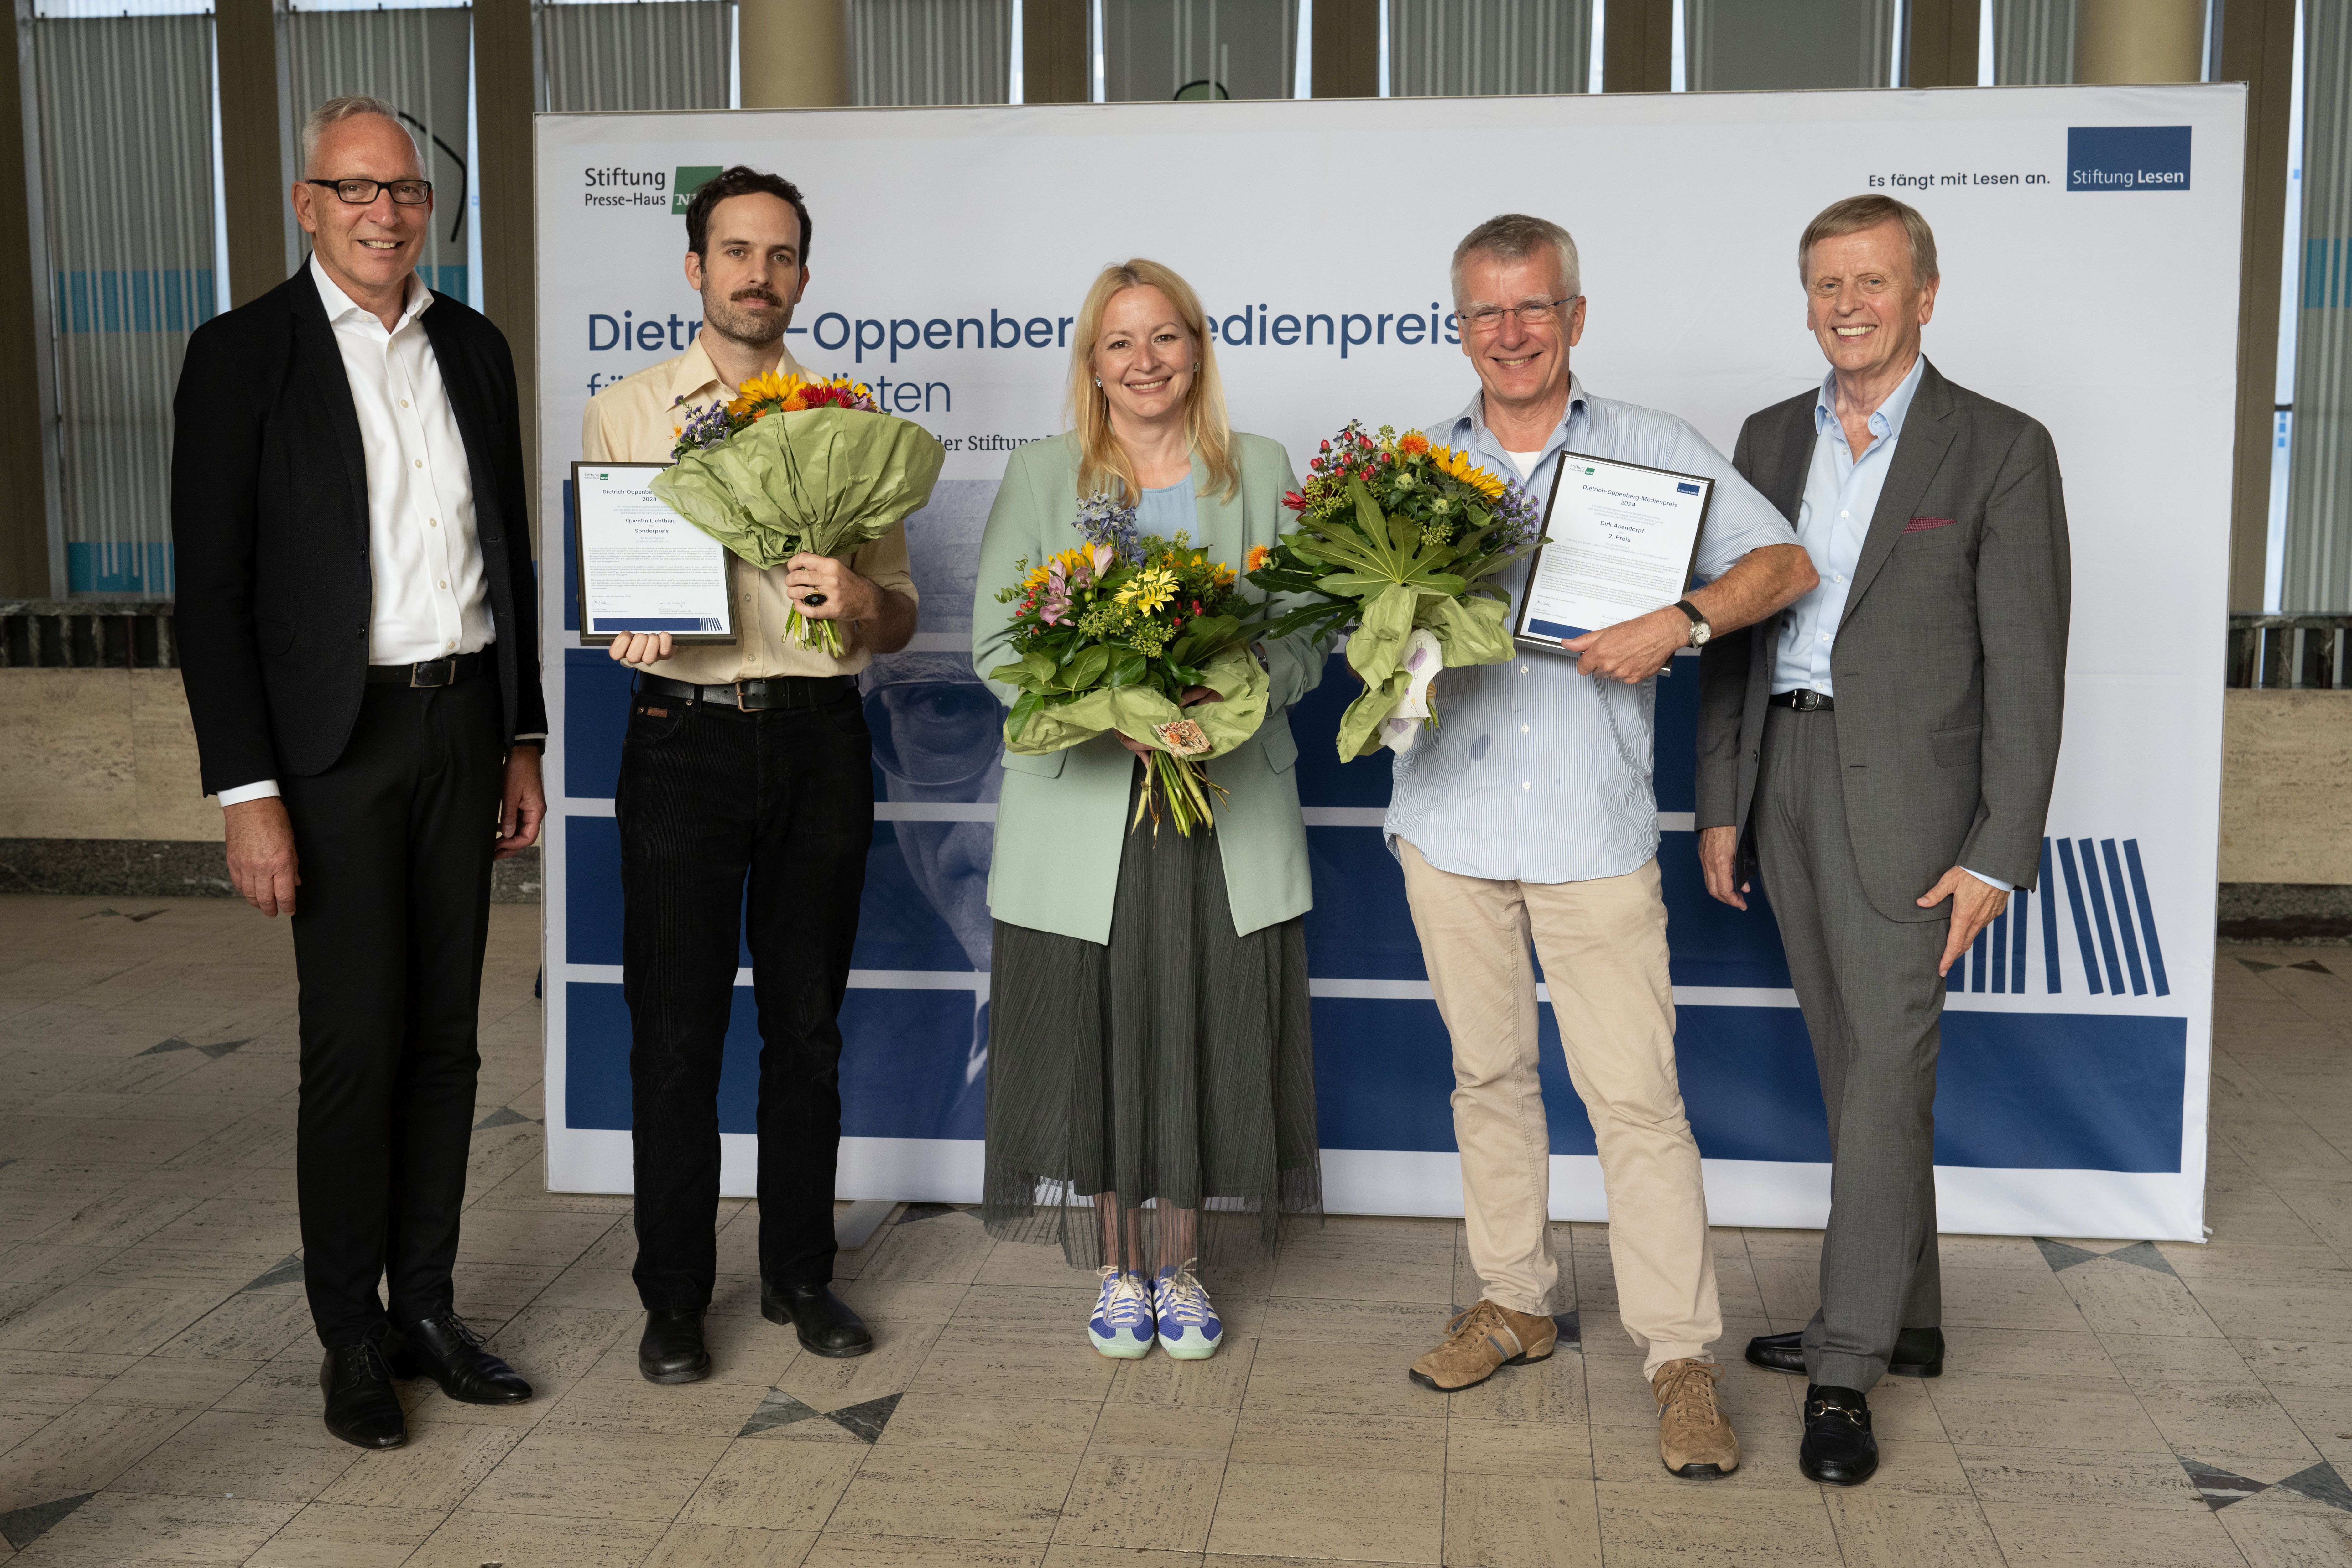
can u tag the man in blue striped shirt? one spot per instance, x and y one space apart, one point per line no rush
1529 812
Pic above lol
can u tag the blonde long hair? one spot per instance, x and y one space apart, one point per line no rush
1103 463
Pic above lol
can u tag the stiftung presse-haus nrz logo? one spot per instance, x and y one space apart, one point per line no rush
616 186
2127 157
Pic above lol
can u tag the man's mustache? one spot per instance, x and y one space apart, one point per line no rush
758 294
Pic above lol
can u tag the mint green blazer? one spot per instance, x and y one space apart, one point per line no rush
1062 819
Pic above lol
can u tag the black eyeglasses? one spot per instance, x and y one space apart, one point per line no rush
359 193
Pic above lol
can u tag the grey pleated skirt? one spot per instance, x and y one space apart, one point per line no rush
1173 1067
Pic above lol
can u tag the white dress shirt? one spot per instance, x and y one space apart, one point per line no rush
431 597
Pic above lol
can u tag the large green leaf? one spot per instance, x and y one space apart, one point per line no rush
1134 710
825 479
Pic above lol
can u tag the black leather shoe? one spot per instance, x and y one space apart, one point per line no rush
1839 1449
672 1349
825 1324
361 1407
449 1353
1918 1352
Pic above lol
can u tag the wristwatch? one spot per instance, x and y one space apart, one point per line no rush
1700 631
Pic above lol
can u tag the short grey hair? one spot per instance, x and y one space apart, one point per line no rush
1857 214
335 110
1515 237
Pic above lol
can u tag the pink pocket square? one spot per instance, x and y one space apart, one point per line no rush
1921 525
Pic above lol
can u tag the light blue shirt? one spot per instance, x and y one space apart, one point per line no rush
1536 773
1841 497
1168 511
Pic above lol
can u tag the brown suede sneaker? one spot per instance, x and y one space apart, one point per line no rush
1694 1438
1482 1339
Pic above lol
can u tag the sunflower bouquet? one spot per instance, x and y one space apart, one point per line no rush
790 465
1111 634
1400 537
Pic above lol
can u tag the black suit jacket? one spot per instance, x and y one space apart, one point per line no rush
270 515
1950 659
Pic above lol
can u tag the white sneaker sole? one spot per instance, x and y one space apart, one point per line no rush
1192 1349
1118 1349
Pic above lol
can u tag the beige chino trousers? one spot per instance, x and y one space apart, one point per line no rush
1603 947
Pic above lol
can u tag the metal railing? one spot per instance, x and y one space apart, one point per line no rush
2290 653
86 634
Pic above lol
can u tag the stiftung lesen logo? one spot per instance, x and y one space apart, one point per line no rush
2127 157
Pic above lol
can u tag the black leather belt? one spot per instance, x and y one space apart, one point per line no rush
1803 700
431 672
759 696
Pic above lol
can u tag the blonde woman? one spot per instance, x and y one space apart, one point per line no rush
1149 1044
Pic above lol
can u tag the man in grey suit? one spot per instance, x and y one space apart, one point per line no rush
1883 752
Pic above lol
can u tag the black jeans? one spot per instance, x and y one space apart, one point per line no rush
709 797
394 842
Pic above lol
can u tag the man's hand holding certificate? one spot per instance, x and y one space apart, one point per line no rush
1619 542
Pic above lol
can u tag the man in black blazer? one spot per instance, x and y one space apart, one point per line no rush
360 650
1884 751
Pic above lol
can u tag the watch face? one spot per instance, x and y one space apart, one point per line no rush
1700 632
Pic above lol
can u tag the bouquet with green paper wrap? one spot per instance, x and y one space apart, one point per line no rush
1111 637
789 465
1398 536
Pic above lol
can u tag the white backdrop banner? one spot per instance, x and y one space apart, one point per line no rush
2089 245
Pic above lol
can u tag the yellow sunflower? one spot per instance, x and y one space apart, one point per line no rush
1457 466
766 389
1147 590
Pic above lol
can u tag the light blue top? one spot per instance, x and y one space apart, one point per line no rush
1536 773
1167 511
1841 497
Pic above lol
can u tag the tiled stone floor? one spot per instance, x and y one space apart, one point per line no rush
2108 1403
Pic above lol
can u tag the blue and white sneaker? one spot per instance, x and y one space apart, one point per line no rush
1121 1326
1189 1329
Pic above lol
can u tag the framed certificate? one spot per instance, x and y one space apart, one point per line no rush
643 568
1619 541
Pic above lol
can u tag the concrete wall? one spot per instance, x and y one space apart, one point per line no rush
2286 787
99 754
98 790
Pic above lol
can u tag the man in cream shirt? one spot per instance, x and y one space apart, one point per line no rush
747 763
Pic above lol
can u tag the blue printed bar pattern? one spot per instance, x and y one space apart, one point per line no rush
2081 1084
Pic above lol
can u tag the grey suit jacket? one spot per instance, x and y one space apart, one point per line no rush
1950 662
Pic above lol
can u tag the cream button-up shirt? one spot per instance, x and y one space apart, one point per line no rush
637 420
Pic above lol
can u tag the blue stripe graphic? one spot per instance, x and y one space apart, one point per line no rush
2017 952
2122 917
2082 920
2099 908
2049 918
1997 951
2146 917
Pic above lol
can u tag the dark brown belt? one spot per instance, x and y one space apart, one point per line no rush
760 696
1803 700
430 672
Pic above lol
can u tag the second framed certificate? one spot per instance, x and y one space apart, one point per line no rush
1619 541
643 568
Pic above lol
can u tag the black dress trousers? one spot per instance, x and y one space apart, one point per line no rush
395 841
728 818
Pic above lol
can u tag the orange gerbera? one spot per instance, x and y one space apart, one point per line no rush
1414 444
1257 557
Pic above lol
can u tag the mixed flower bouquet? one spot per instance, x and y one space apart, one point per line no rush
792 465
1110 636
1399 536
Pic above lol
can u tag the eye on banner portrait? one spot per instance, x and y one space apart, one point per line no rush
2088 238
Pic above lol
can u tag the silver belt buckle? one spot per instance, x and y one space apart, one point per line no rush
445 668
1805 699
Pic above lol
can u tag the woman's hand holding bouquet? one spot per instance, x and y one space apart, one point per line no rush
1399 536
1112 637
791 466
